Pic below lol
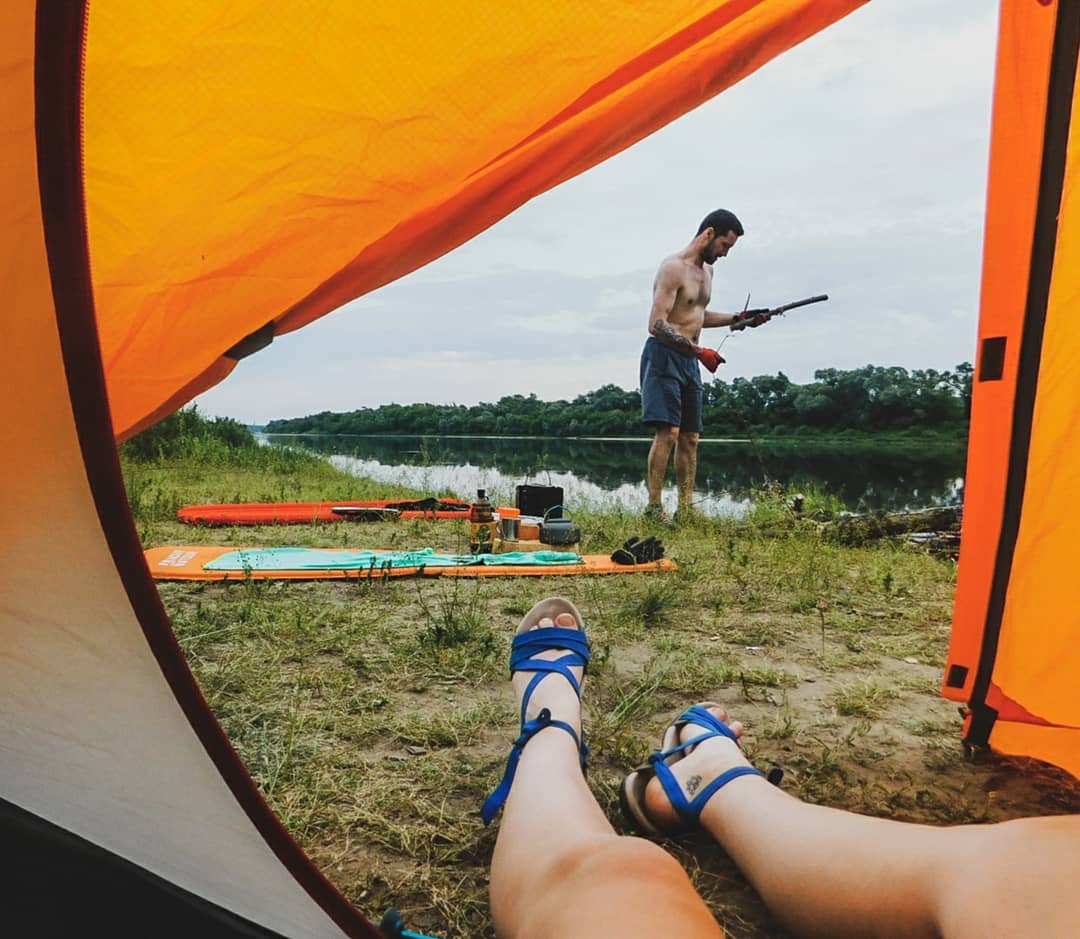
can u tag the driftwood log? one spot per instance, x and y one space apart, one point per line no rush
936 528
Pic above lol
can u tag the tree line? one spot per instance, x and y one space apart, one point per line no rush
871 399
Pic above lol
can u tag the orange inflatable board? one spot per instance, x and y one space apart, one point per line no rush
188 562
305 513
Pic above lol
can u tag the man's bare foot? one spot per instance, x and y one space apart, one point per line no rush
687 515
553 692
696 769
656 515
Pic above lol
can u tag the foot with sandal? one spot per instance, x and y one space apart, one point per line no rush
669 792
561 870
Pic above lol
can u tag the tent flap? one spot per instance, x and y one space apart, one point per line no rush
1016 629
269 164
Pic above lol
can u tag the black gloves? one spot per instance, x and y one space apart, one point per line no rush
751 318
635 551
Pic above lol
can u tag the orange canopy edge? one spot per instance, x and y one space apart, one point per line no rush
258 168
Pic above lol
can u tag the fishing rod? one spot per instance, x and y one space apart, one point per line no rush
757 317
749 318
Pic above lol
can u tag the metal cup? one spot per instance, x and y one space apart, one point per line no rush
509 528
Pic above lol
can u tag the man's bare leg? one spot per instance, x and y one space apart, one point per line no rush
686 469
665 440
827 872
559 868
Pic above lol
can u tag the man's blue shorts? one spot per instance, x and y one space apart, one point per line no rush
670 387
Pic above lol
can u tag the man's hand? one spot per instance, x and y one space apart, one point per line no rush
710 358
750 318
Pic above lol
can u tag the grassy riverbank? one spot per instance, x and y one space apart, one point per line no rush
377 716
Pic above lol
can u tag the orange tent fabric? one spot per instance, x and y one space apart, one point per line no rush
105 740
1015 652
252 168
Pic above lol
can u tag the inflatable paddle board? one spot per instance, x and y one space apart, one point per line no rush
190 562
306 513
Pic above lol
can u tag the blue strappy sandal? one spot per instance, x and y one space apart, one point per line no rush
632 792
527 643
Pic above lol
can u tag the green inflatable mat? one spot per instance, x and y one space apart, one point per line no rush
319 559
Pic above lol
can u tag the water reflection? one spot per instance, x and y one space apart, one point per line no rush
606 473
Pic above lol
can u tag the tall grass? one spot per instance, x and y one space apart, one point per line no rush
221 441
187 458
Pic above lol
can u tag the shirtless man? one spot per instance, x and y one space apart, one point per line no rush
670 380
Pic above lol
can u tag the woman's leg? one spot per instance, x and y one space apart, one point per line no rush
559 868
829 872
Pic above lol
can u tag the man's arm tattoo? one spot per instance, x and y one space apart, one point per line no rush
666 333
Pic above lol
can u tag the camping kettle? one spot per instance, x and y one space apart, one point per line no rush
559 531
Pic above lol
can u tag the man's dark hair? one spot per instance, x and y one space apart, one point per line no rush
721 221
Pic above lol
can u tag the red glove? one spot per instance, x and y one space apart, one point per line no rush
751 318
710 358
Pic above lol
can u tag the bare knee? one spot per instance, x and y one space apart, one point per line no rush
627 858
687 440
620 885
984 890
666 435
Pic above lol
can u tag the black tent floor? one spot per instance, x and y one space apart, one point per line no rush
56 884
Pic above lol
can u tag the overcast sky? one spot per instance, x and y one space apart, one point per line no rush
856 162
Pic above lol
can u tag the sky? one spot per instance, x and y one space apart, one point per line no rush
856 162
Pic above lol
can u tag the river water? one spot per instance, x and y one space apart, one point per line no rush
605 473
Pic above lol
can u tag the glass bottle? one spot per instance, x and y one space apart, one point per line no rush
481 525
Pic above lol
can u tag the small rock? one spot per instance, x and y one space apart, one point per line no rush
911 660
